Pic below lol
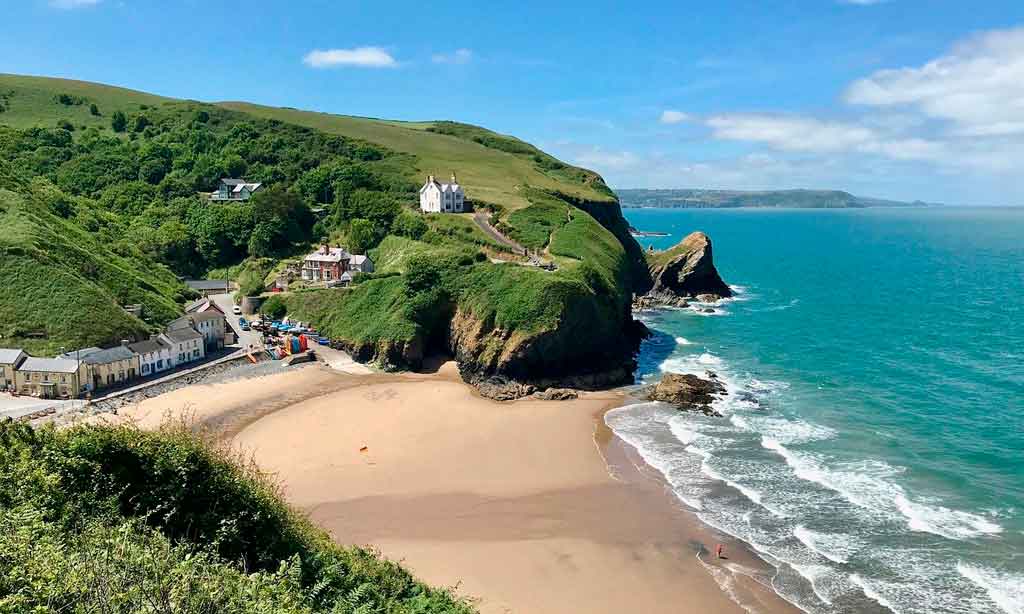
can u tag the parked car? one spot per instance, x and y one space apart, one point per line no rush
236 310
245 326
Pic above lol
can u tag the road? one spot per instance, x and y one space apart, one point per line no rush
245 337
483 222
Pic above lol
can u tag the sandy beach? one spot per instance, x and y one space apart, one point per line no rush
530 506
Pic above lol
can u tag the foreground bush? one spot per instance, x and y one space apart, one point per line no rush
112 519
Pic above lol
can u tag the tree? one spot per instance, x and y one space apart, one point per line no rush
361 235
118 121
410 225
261 242
152 171
141 121
234 165
94 110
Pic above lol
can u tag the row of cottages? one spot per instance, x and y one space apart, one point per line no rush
437 197
184 340
334 266
235 190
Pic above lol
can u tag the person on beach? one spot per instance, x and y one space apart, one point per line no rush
719 551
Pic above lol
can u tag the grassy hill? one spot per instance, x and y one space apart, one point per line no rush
493 168
31 101
722 199
137 165
62 286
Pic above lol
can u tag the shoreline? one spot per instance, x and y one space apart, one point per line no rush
529 506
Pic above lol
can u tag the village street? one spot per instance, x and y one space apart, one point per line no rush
245 337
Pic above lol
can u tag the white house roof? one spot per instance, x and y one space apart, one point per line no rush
49 365
444 187
252 187
334 254
358 259
10 356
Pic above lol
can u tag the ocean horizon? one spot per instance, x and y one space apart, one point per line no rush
870 448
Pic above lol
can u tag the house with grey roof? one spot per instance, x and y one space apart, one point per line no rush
235 190
10 359
51 378
154 355
187 344
211 324
111 367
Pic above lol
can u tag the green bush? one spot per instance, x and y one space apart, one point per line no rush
274 307
113 519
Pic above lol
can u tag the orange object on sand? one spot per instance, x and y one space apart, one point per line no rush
364 449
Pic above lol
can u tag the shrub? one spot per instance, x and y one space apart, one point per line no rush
274 307
118 121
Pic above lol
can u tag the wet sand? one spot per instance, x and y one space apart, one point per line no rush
530 506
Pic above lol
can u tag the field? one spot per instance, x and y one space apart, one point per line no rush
489 175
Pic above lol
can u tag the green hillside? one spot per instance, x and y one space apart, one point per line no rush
493 167
724 199
104 519
64 287
135 169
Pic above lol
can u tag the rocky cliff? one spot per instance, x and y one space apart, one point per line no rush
683 272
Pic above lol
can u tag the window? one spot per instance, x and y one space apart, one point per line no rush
145 369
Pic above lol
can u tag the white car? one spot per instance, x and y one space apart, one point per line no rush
236 310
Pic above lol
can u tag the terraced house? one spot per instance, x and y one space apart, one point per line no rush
154 355
187 345
211 324
10 359
51 378
110 367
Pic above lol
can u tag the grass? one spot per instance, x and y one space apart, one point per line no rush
542 203
62 287
489 174
113 519
33 104
367 313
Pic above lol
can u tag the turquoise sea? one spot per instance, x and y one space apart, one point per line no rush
872 448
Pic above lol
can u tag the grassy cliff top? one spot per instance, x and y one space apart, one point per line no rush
493 167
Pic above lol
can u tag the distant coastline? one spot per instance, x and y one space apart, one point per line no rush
734 199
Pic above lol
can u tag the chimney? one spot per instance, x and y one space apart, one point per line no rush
154 337
430 179
325 249
453 177
124 342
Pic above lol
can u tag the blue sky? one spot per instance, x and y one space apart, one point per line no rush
899 98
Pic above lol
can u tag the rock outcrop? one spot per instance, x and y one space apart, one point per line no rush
689 392
687 271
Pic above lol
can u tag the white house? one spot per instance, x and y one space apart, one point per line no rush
436 197
211 324
187 345
154 355
359 263
235 189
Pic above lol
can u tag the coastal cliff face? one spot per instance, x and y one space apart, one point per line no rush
683 272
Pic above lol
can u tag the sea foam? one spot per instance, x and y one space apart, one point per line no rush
1004 589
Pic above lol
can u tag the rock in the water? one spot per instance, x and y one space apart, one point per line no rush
686 270
689 392
557 394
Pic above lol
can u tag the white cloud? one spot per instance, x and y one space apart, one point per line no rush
978 86
673 117
365 57
790 133
459 56
73 4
